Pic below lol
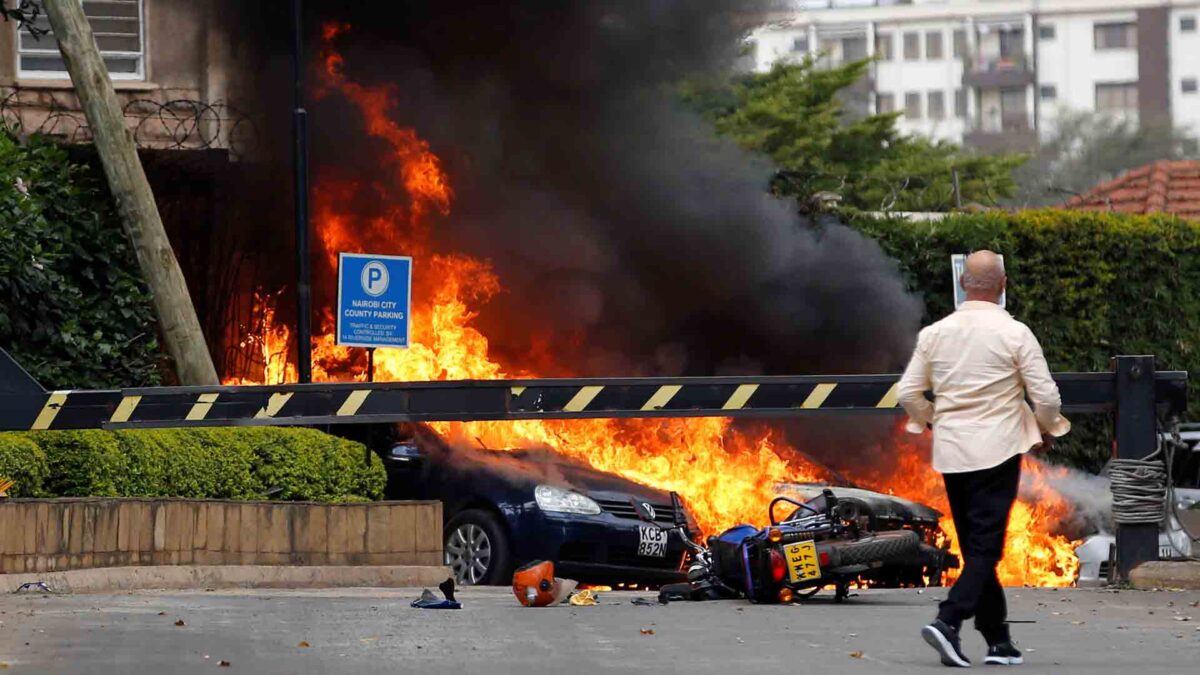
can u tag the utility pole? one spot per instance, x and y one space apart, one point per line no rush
300 167
135 201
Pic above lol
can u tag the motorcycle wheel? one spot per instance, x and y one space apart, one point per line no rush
881 547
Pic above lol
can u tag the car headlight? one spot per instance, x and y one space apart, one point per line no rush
561 500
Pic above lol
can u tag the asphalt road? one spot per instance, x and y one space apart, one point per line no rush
375 631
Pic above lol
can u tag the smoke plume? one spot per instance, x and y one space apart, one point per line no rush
628 238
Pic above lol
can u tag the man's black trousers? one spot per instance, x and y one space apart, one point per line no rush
980 502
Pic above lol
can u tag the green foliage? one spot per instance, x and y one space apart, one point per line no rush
1090 285
794 114
1088 148
227 463
24 462
73 309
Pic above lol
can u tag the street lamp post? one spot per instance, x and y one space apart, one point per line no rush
300 166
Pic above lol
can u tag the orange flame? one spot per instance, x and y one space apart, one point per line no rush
726 474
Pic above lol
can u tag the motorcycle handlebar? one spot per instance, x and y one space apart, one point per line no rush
771 508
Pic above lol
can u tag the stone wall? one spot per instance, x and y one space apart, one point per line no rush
41 535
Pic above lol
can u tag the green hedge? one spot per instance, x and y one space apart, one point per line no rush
243 463
74 310
1090 285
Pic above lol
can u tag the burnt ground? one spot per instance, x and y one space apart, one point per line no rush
375 631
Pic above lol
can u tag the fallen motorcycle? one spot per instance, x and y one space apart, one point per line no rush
820 543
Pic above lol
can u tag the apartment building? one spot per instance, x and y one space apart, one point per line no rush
996 74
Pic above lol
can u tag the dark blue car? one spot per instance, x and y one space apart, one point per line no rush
503 509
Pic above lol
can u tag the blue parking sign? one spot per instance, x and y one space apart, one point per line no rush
373 300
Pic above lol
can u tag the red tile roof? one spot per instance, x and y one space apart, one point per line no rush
1160 187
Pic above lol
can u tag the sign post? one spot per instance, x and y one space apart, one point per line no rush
957 262
373 302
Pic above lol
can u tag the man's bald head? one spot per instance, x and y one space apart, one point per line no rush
983 276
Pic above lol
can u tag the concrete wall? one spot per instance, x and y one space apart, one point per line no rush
65 534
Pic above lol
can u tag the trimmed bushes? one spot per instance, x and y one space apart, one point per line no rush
1090 285
224 463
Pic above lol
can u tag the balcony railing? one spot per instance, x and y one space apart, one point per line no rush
989 71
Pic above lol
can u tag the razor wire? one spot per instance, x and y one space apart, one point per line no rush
170 124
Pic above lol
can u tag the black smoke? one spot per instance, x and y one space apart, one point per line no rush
627 236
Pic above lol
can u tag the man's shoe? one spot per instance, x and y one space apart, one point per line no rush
1003 654
945 640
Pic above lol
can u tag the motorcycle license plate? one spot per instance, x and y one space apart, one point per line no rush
802 561
652 541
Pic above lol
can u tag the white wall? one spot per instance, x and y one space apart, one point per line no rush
1071 63
1185 62
899 77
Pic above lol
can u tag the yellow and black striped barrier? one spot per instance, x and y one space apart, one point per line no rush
325 403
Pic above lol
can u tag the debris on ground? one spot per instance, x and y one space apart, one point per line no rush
34 585
430 601
447 588
647 631
647 602
224 664
856 655
585 598
303 644
179 623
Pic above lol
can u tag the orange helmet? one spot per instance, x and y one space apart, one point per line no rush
535 585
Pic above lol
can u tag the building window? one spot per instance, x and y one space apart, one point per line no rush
885 103
960 103
912 105
960 43
933 45
912 46
1048 92
118 28
883 46
800 44
1117 97
1188 85
1187 24
1116 35
937 105
854 49
1046 31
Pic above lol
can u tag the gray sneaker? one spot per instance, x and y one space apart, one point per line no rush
945 641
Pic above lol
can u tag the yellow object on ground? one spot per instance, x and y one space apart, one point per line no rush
584 598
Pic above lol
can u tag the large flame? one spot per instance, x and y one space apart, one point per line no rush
726 474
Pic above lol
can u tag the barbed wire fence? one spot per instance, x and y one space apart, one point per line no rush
169 124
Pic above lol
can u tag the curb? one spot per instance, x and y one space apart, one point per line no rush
1163 574
203 577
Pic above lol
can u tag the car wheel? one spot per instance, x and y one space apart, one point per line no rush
476 548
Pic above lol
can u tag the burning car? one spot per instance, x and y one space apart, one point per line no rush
505 508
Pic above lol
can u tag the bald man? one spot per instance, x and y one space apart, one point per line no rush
980 364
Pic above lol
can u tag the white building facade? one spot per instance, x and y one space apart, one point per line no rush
996 74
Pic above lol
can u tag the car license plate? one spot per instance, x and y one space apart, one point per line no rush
802 561
652 541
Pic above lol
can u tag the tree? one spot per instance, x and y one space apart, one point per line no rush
1088 148
135 201
795 114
